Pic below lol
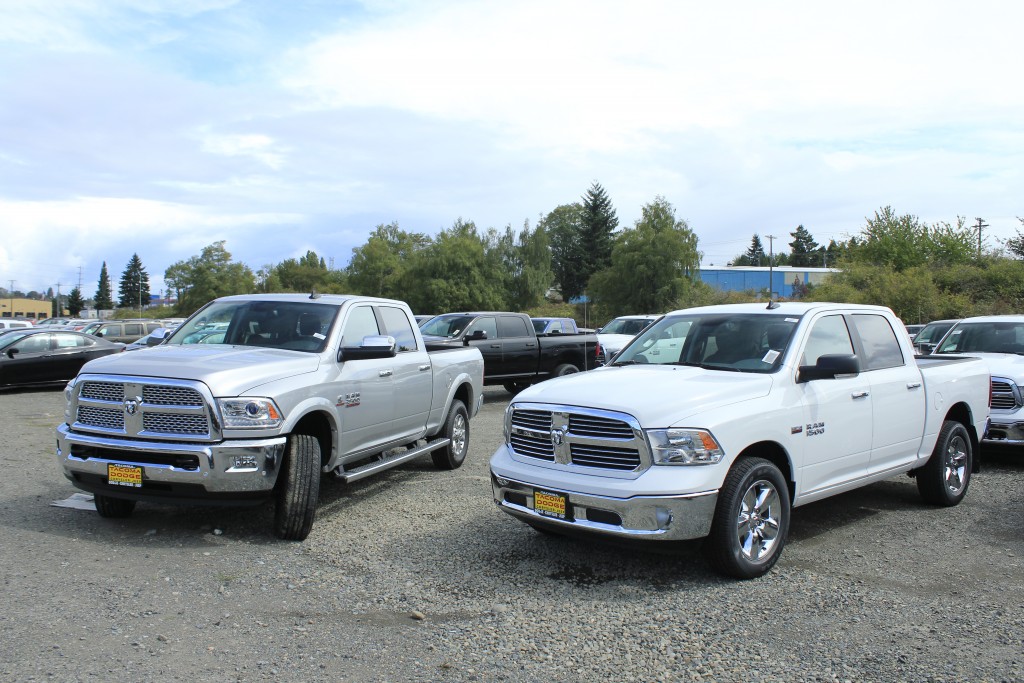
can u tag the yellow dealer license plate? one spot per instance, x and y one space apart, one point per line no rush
550 504
124 475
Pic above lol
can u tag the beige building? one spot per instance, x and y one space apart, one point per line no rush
33 309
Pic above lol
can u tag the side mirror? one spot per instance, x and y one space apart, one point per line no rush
477 335
11 353
598 330
830 366
373 346
158 336
97 333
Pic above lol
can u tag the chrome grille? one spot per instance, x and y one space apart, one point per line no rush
171 396
577 437
173 423
1005 394
106 418
146 408
103 391
605 456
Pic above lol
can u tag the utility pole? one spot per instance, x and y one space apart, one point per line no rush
11 292
981 224
771 263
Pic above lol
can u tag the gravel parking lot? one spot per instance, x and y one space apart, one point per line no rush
416 576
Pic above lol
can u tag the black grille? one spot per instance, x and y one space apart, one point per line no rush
606 457
600 427
532 419
533 446
584 439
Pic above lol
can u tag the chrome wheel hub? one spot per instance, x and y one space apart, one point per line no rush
757 524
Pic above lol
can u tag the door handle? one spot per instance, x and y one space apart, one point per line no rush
385 373
913 385
424 368
859 394
495 346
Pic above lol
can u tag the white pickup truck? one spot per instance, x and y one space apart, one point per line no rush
714 422
254 397
999 341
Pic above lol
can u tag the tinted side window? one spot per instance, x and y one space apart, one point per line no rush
132 329
829 335
37 343
512 326
113 330
487 325
361 323
880 344
396 323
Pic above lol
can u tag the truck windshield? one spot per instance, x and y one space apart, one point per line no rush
732 342
984 337
296 326
449 326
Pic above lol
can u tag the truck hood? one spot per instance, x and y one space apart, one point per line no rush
657 395
1009 365
227 370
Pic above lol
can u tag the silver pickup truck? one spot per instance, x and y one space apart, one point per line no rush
254 397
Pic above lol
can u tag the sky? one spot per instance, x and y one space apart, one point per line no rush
158 127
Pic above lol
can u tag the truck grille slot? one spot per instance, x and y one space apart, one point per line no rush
604 456
181 461
1005 394
173 423
171 396
578 437
103 391
106 418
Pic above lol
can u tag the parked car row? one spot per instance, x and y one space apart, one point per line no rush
42 356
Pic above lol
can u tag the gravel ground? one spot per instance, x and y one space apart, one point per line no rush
416 576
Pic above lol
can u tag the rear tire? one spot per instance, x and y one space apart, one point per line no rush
515 387
944 479
566 369
751 520
113 508
298 488
456 430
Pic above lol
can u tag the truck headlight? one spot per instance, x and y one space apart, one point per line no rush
69 392
683 447
249 413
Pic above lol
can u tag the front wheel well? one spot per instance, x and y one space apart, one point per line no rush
317 425
775 454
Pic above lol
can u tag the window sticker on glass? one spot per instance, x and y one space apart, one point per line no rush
792 320
770 357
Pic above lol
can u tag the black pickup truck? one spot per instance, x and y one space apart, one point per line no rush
514 355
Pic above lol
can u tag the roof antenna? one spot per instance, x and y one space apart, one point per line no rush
314 294
772 305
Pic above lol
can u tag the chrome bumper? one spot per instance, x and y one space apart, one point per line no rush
228 467
1008 432
659 518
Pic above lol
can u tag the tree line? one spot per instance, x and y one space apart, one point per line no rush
578 252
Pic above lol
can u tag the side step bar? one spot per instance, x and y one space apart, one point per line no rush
388 462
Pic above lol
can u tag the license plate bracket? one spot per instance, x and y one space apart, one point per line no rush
124 475
551 504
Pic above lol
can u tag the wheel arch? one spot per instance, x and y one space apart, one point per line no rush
774 453
319 425
961 412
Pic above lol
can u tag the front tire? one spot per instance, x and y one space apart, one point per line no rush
565 369
944 479
751 520
113 508
456 430
515 387
298 488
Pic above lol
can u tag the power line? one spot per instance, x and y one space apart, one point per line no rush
981 224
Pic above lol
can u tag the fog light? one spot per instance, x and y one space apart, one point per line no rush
244 462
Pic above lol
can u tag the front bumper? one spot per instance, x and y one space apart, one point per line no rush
1001 431
661 518
222 472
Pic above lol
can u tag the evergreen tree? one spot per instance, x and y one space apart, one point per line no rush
75 302
562 226
134 287
805 251
755 254
104 298
597 227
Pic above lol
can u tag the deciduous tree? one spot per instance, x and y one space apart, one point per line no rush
207 276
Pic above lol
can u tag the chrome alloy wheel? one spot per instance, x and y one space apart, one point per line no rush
954 465
458 435
757 524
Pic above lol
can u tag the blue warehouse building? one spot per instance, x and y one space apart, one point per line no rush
755 278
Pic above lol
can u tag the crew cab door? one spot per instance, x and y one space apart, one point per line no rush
519 348
412 376
483 334
897 393
364 391
836 425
